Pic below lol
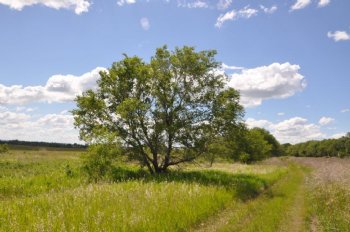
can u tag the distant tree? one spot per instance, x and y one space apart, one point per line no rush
327 147
228 145
343 145
347 144
4 148
247 145
276 149
256 147
42 144
164 112
285 147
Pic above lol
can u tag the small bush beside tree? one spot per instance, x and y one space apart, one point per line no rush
98 162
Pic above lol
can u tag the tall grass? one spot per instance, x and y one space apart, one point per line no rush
243 186
128 206
24 173
46 191
330 207
270 211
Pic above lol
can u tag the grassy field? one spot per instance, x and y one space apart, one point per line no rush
328 194
47 191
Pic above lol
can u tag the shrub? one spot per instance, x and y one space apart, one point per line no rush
4 148
98 161
244 158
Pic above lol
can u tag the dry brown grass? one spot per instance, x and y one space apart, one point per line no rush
327 170
328 193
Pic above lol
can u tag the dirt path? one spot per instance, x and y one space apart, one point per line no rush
287 209
296 214
218 221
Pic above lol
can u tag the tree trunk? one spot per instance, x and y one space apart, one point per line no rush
150 169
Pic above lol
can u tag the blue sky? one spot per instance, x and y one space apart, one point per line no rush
290 59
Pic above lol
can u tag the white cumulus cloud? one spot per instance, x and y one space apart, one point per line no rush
345 110
245 12
192 4
267 10
262 123
127 2
338 135
228 16
79 6
300 4
48 128
145 24
230 67
325 121
276 81
224 4
58 88
338 35
323 3
8 117
293 130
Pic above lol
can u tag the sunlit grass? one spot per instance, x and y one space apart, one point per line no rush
270 211
129 206
47 191
27 173
330 207
237 168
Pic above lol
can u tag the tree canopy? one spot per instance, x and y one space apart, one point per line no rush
163 112
276 149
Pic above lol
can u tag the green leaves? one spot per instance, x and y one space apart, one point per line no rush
165 110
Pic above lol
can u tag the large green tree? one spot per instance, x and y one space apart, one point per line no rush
163 112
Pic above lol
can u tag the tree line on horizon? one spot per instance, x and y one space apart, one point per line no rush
42 144
320 148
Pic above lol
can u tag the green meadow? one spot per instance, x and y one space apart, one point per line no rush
43 190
